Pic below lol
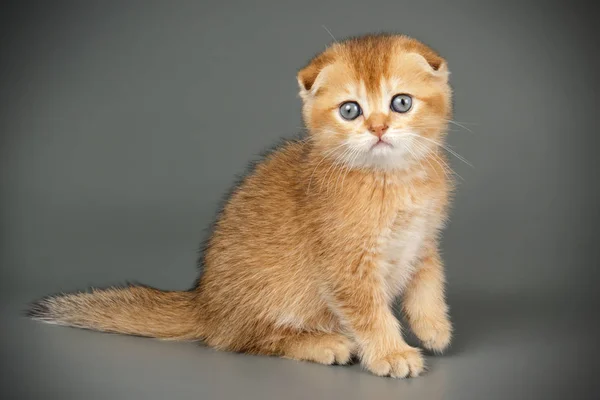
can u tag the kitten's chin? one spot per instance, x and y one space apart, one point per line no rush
381 148
383 156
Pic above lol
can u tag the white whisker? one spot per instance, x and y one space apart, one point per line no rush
459 124
349 167
445 147
338 161
326 154
330 34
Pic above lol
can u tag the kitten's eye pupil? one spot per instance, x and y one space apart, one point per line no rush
401 103
350 110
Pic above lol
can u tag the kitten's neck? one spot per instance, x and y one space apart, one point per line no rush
322 165
324 175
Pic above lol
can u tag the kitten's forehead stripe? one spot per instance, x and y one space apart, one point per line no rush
369 59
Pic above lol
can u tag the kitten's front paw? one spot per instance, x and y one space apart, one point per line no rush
434 334
398 364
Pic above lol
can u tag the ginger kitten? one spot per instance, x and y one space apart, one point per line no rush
315 244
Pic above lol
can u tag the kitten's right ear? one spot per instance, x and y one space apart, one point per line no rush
310 78
307 77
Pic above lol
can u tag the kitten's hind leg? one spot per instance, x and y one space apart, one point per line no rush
320 347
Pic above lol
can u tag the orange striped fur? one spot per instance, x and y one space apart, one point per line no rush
315 244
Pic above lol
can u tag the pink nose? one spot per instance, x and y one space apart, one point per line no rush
378 130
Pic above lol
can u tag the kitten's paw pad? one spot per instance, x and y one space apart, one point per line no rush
399 364
435 335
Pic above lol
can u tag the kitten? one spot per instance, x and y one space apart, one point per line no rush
315 244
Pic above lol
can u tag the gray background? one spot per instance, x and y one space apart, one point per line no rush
123 123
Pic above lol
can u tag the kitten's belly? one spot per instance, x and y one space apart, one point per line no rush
401 251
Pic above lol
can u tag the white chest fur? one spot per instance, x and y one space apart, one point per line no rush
401 246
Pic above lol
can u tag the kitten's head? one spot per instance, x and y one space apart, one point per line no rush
376 101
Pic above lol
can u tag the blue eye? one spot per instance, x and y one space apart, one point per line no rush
350 110
401 103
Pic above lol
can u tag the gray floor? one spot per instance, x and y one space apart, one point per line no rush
505 348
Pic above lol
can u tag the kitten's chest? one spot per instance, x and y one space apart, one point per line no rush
402 243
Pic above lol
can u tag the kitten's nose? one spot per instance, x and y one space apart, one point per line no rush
378 130
377 124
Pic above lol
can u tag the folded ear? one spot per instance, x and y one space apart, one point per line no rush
310 78
433 63
307 77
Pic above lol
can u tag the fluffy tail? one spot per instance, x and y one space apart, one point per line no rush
132 310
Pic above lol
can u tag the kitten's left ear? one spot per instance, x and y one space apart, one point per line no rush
434 64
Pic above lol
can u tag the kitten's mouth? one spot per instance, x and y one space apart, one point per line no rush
381 144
